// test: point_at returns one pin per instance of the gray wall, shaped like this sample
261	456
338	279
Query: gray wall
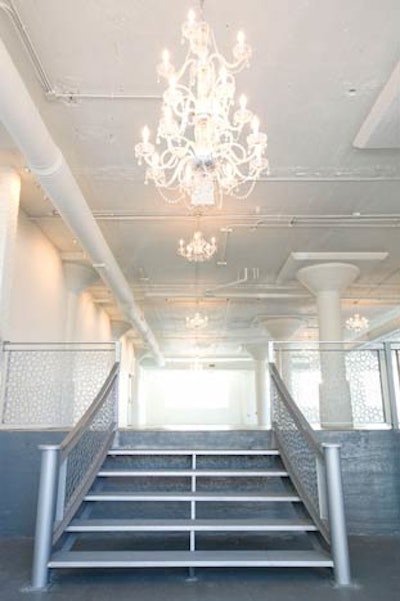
370	461
19	478
371	479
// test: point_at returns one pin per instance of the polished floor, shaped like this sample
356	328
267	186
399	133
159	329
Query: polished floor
375	563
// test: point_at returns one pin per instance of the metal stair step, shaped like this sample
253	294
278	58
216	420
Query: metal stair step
152	559
204	473
193	496
198	525
234	452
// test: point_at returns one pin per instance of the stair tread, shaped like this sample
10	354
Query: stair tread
277	558
109	473
120	525
152	451
188	496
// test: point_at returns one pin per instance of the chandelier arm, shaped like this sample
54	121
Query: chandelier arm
233	68
188	62
168	199
246	194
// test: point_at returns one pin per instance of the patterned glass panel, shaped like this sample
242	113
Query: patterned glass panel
297	448
90	445
51	387
364	377
360	377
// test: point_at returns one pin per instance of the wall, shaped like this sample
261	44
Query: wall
39	297
371	479
371	474
19	477
37	307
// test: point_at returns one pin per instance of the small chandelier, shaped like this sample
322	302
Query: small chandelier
357	323
204	149
198	249
197	321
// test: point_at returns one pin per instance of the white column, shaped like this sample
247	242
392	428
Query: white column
77	277
259	353
326	281
118	330
10	188
137	410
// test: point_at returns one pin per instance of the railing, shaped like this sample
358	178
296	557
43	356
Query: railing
49	385
315	471
369	377
68	471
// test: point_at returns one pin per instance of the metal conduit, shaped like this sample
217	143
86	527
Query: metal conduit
23	121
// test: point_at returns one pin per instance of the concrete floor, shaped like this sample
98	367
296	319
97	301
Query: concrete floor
375	564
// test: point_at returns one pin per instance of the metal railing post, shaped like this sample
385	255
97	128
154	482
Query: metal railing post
334	486
322	492
391	385
45	515
61	490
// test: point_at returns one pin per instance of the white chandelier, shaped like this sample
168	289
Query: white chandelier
198	249
197	321
357	323
204	150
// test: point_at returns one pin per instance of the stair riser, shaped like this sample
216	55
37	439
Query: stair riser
237	439
183	485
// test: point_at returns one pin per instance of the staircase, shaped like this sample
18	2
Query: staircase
191	499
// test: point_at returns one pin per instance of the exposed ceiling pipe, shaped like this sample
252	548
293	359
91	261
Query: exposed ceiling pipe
355	220
23	121
242	280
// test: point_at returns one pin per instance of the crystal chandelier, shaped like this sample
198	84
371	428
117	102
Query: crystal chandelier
205	151
197	321
357	323
198	249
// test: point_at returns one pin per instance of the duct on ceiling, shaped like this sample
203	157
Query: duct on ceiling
25	124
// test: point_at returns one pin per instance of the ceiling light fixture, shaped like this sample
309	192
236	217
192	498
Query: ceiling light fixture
198	250
197	321
357	323
204	150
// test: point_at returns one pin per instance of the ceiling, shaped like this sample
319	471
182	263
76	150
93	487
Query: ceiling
325	81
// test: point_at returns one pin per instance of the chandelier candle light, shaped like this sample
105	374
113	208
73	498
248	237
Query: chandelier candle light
198	249
357	323
197	321
204	150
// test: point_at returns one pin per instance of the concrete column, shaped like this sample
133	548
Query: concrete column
137	413
282	329
326	281
10	188
77	277
119	328
259	353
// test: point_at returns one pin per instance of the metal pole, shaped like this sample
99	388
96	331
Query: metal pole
45	515
337	520
391	385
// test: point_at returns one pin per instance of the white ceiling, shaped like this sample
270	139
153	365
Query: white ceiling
322	74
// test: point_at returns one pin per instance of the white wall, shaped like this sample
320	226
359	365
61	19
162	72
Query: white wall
197	397
39	296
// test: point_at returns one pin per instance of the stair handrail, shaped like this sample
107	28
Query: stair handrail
57	499
323	496
298	416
